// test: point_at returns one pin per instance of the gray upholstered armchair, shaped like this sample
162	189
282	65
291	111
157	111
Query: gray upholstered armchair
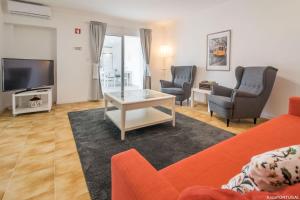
181	84
248	98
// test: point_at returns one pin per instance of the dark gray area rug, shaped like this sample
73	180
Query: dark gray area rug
98	140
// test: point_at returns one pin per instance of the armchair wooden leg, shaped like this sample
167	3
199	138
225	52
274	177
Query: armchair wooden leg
228	121
211	113
255	120
180	103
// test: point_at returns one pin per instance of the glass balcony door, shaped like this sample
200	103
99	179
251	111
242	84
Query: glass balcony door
111	63
133	63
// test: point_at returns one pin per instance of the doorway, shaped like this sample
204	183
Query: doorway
111	63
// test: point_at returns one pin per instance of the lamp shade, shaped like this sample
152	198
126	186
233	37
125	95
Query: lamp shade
165	50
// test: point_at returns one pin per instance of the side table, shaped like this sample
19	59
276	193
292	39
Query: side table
200	91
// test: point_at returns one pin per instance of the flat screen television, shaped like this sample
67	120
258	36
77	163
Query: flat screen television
26	74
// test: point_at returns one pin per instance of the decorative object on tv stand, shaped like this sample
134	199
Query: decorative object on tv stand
35	102
218	51
207	85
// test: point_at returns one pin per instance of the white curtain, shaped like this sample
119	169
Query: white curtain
146	39
97	35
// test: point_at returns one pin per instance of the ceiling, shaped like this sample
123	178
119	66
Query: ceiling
140	10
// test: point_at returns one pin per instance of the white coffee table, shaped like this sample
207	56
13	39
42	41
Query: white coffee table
200	91
135	109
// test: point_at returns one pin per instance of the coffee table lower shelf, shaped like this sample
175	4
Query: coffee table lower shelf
139	118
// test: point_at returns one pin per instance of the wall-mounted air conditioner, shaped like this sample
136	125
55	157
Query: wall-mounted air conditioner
29	9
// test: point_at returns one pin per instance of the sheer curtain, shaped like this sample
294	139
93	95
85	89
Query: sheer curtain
97	35
146	39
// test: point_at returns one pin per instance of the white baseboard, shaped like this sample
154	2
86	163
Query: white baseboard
72	101
267	115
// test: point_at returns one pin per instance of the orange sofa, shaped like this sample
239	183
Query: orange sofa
133	177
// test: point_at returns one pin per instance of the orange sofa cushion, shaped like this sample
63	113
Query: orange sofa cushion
132	170
208	193
205	169
294	106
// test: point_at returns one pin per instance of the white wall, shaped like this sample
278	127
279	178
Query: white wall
264	32
29	42
74	66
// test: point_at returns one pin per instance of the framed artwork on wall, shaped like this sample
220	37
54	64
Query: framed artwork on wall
218	51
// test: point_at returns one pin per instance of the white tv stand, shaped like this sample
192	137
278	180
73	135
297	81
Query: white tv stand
21	107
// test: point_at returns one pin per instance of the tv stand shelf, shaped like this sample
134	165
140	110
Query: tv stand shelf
18	106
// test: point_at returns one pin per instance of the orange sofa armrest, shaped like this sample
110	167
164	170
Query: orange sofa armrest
134	178
294	106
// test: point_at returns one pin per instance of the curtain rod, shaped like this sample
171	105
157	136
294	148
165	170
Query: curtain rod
116	26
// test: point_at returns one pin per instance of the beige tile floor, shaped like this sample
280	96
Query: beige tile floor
38	157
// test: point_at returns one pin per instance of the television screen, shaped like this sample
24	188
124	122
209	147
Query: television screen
18	74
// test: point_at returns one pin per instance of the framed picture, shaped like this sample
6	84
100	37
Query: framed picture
218	51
